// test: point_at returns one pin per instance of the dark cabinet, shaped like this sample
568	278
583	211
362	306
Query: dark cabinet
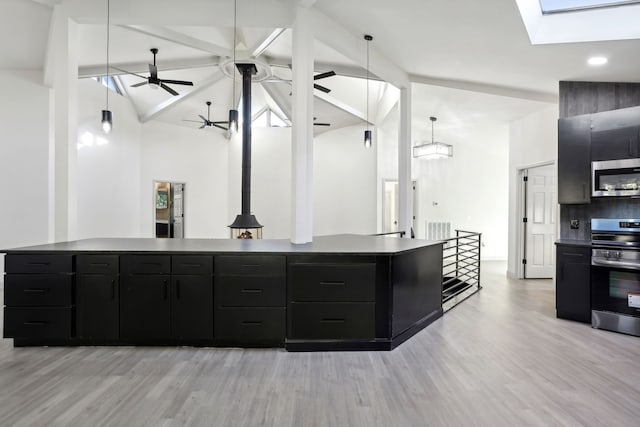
614	134
145	307
38	300
192	307
97	297
574	160
573	283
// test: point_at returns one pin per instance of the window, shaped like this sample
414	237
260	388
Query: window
556	6
109	82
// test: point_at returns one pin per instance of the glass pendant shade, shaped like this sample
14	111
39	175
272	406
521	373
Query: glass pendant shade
107	121
433	150
233	121
367	139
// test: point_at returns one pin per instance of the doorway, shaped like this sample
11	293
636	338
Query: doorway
169	209
539	221
391	206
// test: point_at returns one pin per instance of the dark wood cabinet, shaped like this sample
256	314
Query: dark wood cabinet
192	307
573	283
614	134
97	297
145	307
574	160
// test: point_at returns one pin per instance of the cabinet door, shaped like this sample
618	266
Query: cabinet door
192	307
573	283
145	307
97	306
574	160
614	134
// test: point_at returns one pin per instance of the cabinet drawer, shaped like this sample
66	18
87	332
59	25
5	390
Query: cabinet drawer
39	263
248	291
37	323
37	290
249	324
146	264
333	282
250	265
332	320
192	264
97	264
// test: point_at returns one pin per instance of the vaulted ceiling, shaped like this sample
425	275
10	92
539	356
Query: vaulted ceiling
469	54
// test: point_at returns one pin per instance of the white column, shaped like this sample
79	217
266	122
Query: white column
302	129
404	163
62	171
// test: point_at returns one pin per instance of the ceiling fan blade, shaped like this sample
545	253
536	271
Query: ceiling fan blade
139	84
194	121
127	72
322	88
322	124
168	89
153	70
178	82
202	127
218	126
202	117
324	75
224	123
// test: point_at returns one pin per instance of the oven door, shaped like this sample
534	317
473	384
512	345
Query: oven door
615	289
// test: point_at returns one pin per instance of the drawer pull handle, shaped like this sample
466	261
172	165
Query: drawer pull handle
166	290
35	323
249	323
186	264
333	283
41	264
251	265
177	289
151	263
113	289
100	264
329	320
36	290
251	291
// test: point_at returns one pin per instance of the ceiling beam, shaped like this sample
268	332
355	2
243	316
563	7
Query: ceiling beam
280	98
342	106
259	48
489	89
179	38
175	100
143	67
321	67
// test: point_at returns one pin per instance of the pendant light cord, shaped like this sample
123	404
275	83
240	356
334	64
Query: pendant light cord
235	30
108	25
368	41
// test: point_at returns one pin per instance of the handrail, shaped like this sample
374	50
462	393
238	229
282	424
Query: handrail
461	266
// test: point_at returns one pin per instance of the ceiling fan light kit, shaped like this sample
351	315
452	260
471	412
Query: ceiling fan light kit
433	150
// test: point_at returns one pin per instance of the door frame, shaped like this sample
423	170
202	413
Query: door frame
414	204
521	212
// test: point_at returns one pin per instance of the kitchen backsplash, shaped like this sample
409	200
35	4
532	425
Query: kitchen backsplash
605	207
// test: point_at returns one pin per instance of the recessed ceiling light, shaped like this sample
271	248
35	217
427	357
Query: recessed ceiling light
597	60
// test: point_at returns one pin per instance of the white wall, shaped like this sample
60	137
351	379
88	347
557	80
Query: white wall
24	154
344	183
532	140
196	157
270	180
470	189
108	174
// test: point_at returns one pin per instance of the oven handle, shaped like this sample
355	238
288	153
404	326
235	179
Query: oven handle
605	263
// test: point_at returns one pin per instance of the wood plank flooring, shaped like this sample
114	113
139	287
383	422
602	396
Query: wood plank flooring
501	358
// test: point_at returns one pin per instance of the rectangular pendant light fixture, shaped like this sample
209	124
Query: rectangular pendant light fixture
433	150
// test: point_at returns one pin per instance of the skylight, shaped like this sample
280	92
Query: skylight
556	6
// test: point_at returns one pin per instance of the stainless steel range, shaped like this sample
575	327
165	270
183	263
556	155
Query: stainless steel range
615	275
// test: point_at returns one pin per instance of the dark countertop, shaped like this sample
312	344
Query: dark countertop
570	242
338	244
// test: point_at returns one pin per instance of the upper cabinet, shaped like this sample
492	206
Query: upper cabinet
614	134
574	160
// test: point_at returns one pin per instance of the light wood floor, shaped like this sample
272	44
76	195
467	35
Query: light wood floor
500	358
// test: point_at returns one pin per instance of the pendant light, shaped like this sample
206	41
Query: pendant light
433	150
367	133
107	117
233	113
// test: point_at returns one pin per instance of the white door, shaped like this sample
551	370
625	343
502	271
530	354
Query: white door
391	205
540	225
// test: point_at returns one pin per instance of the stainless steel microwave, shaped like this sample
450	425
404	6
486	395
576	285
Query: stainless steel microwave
615	178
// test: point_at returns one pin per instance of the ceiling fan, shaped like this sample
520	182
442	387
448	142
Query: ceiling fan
156	82
320	123
207	122
315	85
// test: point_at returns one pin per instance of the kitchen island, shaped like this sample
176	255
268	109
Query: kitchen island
343	292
